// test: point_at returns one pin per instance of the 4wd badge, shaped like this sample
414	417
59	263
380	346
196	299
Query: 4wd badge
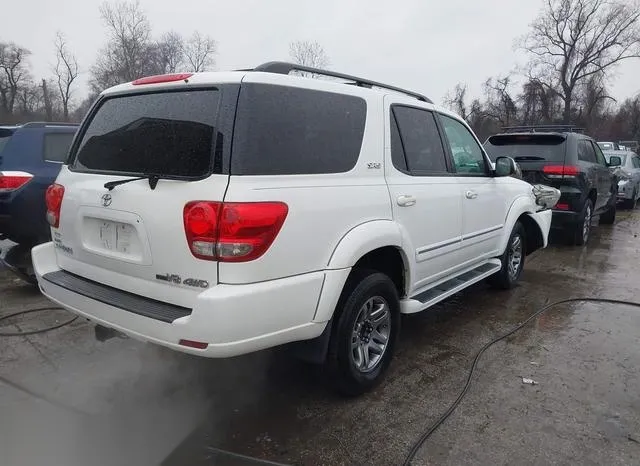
173	278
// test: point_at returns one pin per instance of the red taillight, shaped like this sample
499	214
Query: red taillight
193	344
562	206
232	231
53	199
10	181
558	171
162	78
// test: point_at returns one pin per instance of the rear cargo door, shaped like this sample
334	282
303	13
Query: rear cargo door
532	152
133	236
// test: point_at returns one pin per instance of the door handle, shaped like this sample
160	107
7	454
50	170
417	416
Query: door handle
406	200
471	194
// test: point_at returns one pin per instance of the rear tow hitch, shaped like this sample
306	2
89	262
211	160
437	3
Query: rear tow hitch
103	333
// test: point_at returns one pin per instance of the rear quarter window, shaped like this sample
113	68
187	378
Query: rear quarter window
289	131
5	135
56	146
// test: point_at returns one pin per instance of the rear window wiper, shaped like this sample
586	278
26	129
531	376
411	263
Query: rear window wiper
153	181
529	157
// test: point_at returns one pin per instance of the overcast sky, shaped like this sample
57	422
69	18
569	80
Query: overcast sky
423	45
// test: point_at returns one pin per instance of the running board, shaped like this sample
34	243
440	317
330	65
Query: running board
441	291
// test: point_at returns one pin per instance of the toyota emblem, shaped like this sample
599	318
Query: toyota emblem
106	200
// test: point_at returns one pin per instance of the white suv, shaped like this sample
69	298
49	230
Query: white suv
222	213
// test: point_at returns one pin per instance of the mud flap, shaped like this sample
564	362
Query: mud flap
312	351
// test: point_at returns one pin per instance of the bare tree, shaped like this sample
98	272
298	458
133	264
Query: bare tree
199	52
307	53
66	71
14	72
539	102
456	100
170	50
47	100
572	40
499	104
128	52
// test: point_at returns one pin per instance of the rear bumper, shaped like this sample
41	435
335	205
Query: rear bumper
232	319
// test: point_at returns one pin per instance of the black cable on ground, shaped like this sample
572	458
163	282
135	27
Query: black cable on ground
34	332
423	438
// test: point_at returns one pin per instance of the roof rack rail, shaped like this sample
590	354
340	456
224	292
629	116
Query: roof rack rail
543	128
43	124
280	67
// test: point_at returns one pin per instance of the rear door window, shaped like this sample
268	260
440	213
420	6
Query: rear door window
284	130
415	142
598	153
526	147
586	153
165	133
636	162
56	146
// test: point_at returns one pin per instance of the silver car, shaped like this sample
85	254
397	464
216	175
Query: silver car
626	166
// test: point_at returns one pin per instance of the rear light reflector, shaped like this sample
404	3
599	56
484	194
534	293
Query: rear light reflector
562	206
193	344
558	171
162	78
11	180
53	199
232	231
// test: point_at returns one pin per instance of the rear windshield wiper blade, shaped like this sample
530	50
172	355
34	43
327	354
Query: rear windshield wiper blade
153	181
529	157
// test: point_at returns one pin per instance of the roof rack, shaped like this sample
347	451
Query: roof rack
543	128
44	124
280	67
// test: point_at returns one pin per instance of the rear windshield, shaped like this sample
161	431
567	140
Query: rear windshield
607	146
287	131
527	147
5	135
163	133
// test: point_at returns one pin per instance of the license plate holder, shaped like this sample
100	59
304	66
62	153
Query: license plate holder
116	236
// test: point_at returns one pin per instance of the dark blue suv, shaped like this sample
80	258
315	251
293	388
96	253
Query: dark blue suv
30	158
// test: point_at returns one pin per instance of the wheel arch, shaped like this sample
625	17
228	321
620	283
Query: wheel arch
522	209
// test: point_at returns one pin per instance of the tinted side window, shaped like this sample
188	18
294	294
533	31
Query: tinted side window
636	162
420	139
56	146
586	152
287	131
467	155
5	135
599	155
397	151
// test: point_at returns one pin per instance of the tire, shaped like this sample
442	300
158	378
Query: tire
633	202
579	233
353	362
512	260
609	217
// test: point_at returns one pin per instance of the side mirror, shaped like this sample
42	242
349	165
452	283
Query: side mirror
506	166
615	161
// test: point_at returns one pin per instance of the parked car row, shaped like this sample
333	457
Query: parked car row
568	160
223	213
